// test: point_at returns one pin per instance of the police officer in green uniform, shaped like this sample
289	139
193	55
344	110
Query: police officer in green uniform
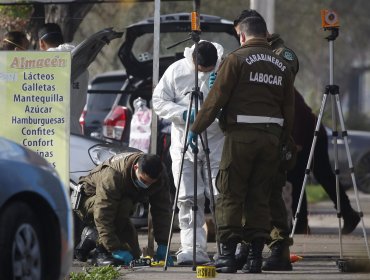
280	240
111	191
254	89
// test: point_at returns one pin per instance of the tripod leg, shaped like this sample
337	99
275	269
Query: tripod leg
350	164
204	141
195	198
308	170
335	138
195	208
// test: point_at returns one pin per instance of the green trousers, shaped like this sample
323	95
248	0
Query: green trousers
248	164
125	230
279	216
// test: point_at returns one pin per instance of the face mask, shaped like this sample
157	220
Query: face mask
140	184
203	75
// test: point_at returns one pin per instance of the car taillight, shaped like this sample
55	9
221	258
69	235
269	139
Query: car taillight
115	123
81	120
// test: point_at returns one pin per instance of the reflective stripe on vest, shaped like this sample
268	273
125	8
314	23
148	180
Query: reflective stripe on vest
258	119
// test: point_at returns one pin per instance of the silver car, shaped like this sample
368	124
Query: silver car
36	239
359	146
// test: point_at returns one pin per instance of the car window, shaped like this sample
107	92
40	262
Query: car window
100	102
103	101
143	46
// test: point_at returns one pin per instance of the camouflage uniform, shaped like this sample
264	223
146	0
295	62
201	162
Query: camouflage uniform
110	198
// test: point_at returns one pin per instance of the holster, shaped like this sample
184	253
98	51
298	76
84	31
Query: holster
288	153
221	116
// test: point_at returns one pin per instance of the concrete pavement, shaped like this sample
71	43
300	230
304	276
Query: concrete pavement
320	250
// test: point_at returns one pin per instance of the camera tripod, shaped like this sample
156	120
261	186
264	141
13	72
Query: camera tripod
196	99
336	109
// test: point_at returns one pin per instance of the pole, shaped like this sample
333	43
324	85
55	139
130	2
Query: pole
154	124
267	9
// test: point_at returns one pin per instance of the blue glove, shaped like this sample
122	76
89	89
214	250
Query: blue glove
212	79
123	255
192	140
161	255
192	115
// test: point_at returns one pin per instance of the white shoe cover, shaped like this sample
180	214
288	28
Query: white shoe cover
185	257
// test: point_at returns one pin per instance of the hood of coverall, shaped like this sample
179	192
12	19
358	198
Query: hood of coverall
188	54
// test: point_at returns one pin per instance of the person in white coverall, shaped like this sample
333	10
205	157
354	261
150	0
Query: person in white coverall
171	99
51	39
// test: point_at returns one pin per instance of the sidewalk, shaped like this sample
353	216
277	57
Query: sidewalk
320	250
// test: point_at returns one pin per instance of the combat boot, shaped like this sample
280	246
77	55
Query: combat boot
254	262
351	219
225	262
87	244
241	255
103	258
279	259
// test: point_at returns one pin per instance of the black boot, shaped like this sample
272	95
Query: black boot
351	219
254	262
225	263
302	227
241	255
279	259
87	244
103	258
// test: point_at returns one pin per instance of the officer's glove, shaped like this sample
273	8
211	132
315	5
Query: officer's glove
122	255
212	78
161	255
192	141
192	115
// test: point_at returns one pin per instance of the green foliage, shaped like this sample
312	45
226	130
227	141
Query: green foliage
315	193
15	17
97	273
16	11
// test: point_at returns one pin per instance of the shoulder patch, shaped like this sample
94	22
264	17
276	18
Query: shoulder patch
288	55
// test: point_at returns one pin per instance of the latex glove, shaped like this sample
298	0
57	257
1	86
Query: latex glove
211	80
123	255
161	254
192	115
192	140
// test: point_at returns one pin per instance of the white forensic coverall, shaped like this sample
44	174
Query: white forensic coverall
169	102
78	93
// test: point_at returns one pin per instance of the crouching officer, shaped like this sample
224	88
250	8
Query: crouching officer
254	89
111	191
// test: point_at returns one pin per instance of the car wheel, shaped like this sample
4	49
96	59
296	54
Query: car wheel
20	243
362	174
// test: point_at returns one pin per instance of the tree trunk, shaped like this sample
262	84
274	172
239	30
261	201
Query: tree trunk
37	20
68	17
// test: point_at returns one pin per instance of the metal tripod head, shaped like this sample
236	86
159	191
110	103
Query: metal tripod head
331	38
334	33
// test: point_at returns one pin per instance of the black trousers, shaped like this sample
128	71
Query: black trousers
323	173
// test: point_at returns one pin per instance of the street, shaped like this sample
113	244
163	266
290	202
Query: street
319	251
